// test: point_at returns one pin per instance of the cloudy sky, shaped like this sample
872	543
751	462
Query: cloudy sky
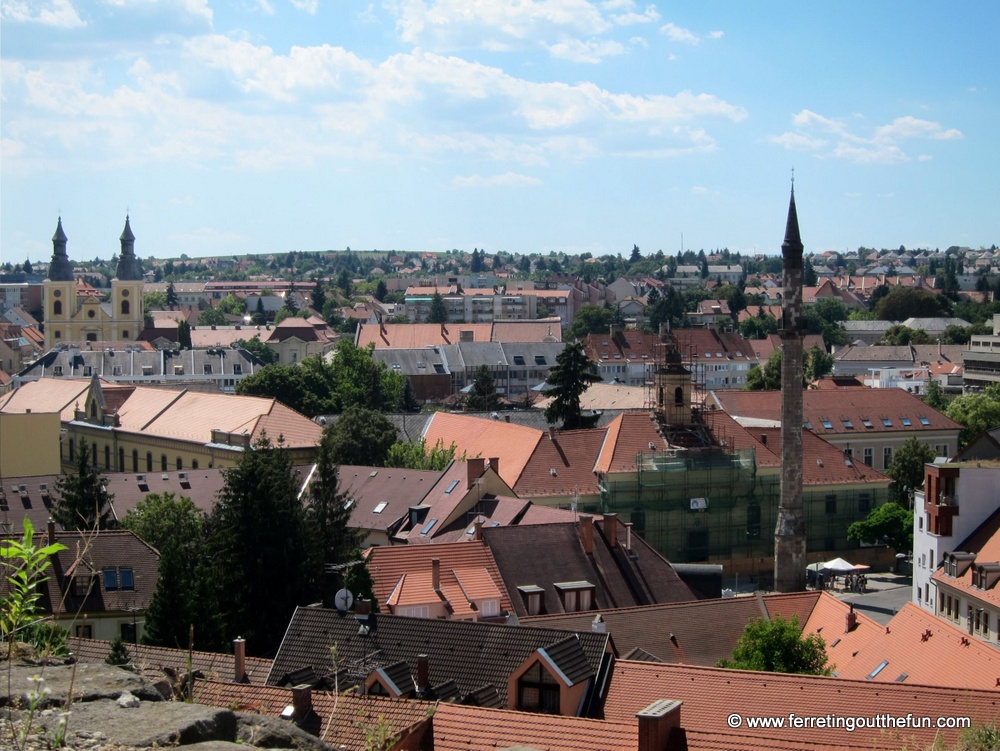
253	126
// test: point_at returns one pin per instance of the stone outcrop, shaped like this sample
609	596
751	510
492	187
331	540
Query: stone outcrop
97	707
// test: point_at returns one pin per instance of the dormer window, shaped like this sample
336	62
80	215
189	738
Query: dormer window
538	691
576	596
533	598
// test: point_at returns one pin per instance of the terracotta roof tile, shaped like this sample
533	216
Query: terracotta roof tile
47	395
628	435
561	465
512	444
371	487
985	544
409	335
711	695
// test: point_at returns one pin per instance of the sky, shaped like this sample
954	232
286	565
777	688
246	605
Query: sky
260	126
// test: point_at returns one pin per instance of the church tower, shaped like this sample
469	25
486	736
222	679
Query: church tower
58	291
126	291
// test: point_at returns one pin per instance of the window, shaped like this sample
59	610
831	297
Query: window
72	449
906	422
58	334
380	507
540	360
827	424
924	421
428	527
125	307
121	460
149	461
489	608
519	359
868	457
57	370
867	423
576	596
163	462
678	396
831	504
886	457
127	579
208	368
847	423
110	580
531	595
887	422
878	669
135	460
93	454
414	611
57	308
452	486
85	632
237	369
180	463
81	585
128	631
194	464
538	691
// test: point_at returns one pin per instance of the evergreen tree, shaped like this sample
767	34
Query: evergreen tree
438	313
259	316
290	305
171	296
318	297
636	255
119	654
27	267
381	290
361	437
84	501
572	375
344	282
258	540
483	397
331	540
184	334
408	399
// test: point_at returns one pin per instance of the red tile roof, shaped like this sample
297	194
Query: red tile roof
928	650
561	465
476	437
627	435
712	695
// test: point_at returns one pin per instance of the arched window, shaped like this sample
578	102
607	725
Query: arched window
149	461
678	396
135	460
107	457
72	450
163	462
121	460
125	307
194	464
93	455
180	463
57	308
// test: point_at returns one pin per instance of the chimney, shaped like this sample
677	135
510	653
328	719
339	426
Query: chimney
611	529
598	626
240	659
506	418
851	621
362	606
656	723
763	439
495	464
587	533
301	700
552	432
476	467
477	527
51	529
436	574
628	536
423	673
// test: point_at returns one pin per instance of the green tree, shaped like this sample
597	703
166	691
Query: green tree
907	470
184	334
935	396
232	305
416	455
256	347
83	498
667	307
758	327
381	290
361	437
483	397
160	518
24	567
572	375
318	297
777	646
438	313
767	378
890	523
589	319
332	540
212	317
901	336
408	401
290	305
118	654
819	364
257	535
259	316
171	299
154	300
901	303
344	282
977	412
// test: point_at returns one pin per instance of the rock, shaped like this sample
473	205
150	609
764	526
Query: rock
128	700
273	732
88	682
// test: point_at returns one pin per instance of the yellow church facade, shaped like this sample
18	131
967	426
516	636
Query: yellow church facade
74	312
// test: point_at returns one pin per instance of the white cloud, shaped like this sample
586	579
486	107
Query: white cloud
197	9
882	144
681	35
56	13
506	180
700	190
592	51
307	6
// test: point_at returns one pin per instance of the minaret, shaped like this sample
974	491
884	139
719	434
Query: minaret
58	292
790	531
126	291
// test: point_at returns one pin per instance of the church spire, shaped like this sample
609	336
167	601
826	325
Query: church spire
791	248
60	268
129	269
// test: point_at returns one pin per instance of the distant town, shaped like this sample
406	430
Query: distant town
469	499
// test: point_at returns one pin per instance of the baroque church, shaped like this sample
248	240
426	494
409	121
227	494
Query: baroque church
75	312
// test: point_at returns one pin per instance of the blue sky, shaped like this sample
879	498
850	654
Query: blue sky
256	126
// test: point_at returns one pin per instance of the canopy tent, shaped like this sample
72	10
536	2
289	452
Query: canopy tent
838	565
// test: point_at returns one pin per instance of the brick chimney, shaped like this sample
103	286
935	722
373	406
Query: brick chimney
611	529
656	723
362	606
301	700
51	529
495	464
423	672
476	467
436	574
587	533
552	432
240	659
851	621
477	529
628	535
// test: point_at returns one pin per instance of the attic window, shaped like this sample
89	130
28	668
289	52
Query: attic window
887	422
519	359
866	422
427	527
540	360
576	596
924	421
110	580
878	669
532	594
380	507
452	486
827	424
906	421
807	425
127	579
847	423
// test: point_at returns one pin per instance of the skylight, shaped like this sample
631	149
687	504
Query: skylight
878	669
807	425
452	486
827	424
924	421
540	360
427	527
380	507
887	422
847	423
866	422
906	421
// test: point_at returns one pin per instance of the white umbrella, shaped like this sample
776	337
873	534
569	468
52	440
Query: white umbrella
838	565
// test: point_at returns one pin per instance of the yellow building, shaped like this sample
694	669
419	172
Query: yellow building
73	314
138	429
29	458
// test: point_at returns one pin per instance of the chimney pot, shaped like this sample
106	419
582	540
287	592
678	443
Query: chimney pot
656	723
851	621
611	529
423	673
477	526
240	659
362	606
587	533
301	700
628	535
51	529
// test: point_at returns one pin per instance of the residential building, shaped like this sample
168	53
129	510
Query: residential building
717	359
20	455
710	313
74	313
411	335
982	359
623	356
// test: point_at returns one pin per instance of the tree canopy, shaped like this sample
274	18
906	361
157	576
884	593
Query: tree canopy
417	455
483	397
900	303
437	313
907	470
977	412
360	436
889	523
777	646
84	501
572	375
589	319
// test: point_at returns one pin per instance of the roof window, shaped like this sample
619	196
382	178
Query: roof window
906	422
887	422
827	424
878	669
866	422
452	486
519	359
540	360
847	423
924	421
428	527
380	507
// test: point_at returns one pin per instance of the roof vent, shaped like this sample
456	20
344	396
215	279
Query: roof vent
182	476
552	471
819	462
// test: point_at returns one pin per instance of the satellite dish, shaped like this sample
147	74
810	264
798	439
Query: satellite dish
343	600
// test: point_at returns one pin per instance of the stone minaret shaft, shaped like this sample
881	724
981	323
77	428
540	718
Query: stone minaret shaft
790	531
